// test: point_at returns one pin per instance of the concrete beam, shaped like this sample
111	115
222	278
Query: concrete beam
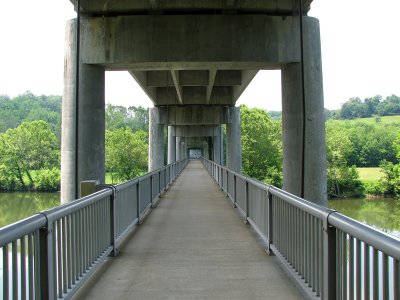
196	130
211	79
285	7
192	95
141	79
228	78
145	41
193	78
159	79
178	89
194	115
247	77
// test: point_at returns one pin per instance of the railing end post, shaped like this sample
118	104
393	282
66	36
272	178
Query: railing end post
329	260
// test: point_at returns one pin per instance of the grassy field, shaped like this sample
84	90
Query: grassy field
370	174
373	120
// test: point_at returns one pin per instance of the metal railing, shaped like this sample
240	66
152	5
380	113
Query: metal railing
330	255
51	254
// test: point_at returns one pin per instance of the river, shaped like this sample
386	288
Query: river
18	206
383	214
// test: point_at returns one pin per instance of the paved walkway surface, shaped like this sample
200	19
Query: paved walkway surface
192	246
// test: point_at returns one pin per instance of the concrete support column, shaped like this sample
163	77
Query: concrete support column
183	148
233	141
178	148
171	145
156	140
82	157
315	185
217	142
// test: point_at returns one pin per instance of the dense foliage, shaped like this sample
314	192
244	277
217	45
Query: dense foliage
369	107
261	145
30	129
126	153
30	144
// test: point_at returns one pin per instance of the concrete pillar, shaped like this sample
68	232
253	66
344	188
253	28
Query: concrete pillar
315	188
217	142
156	140
171	145
85	160
183	147
178	148
233	141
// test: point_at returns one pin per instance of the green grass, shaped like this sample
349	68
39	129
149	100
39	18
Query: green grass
374	120
370	174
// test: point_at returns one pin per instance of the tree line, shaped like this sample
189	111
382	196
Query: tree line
30	146
30	139
369	107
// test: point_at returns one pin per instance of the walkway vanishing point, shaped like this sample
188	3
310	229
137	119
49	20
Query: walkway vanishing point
192	246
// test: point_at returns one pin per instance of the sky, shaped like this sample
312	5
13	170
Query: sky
360	53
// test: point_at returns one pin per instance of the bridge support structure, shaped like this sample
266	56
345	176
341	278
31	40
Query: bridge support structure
83	123
200	64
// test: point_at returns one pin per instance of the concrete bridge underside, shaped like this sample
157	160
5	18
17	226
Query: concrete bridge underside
194	59
192	246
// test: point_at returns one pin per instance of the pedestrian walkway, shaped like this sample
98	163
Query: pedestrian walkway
192	246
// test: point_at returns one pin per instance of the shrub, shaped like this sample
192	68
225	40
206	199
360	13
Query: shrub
48	180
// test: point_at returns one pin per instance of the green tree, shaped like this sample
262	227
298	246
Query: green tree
342	179
261	145
30	146
126	153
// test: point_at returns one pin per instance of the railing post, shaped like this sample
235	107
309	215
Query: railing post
329	261
151	191
138	201
46	272
159	183
234	190
112	221
270	222
246	195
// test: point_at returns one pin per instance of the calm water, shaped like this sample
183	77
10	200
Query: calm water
383	214
18	206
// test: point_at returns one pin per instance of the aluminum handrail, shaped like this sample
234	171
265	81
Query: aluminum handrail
66	244
313	241
380	240
21	228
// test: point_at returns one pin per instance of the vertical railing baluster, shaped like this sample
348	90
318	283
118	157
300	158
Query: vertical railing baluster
5	273
358	268
23	286
351	267
30	266
14	263
385	275
375	273
329	261
396	279
366	272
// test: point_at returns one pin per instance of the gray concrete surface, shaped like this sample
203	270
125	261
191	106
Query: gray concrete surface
192	246
156	140
233	141
292	121
91	121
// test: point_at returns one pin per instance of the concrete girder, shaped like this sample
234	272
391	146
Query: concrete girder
142	41
104	7
193	115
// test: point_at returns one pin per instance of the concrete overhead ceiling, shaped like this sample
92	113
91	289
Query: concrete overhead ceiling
183	83
192	87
